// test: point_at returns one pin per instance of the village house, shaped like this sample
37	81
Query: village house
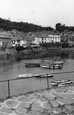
67	39
47	39
17	41
5	41
54	39
71	39
29	38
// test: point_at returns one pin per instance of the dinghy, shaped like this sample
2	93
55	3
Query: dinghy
26	75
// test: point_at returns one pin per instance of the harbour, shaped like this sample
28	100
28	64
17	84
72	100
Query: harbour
10	71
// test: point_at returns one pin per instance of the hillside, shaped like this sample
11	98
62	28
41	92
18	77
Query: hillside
8	25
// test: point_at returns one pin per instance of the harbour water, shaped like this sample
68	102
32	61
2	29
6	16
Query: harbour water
12	69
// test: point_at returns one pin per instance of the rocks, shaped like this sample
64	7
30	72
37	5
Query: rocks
47	111
24	105
0	105
43	99
47	105
64	101
4	113
26	99
57	110
6	110
37	107
48	96
69	107
33	113
54	102
12	113
21	111
12	103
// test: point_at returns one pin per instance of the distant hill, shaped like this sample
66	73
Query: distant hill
8	25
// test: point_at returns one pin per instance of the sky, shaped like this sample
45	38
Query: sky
40	12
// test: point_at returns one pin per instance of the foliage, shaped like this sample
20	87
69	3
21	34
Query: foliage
59	27
21	26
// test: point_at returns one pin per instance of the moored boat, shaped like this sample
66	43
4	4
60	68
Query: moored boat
26	75
36	75
32	64
52	66
62	83
44	76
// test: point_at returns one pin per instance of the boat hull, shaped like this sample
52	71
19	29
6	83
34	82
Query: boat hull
25	75
62	83
32	64
45	76
52	66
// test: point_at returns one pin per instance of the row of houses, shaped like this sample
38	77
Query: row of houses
16	41
8	40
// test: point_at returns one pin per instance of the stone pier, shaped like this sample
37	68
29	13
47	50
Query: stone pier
59	101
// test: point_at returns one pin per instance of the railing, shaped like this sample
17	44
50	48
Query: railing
46	81
43	83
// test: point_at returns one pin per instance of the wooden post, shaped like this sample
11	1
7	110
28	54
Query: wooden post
8	89
47	82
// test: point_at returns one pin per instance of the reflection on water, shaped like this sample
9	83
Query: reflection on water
11	70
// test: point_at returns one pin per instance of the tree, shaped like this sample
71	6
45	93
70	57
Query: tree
58	26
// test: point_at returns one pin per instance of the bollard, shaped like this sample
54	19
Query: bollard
8	89
50	83
47	82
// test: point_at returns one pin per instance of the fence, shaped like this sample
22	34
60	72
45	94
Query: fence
11	87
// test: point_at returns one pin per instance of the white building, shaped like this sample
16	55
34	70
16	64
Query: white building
54	38
47	39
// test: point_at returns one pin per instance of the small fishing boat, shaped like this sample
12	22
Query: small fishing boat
62	83
26	75
68	83
44	76
32	64
52	66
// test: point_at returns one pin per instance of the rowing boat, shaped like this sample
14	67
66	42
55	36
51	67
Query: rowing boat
44	76
26	75
32	64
